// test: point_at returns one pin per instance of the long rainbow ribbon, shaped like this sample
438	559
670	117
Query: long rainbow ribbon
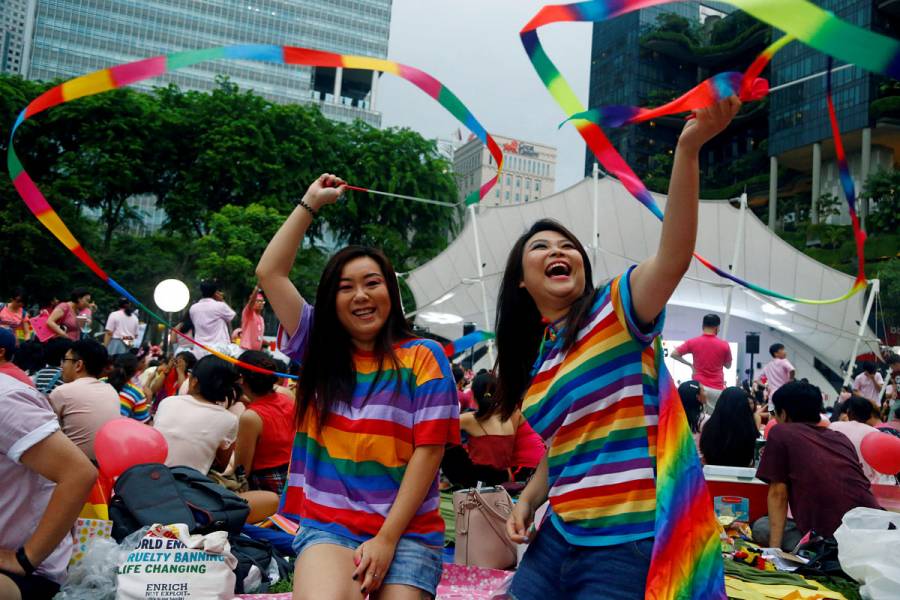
118	76
800	19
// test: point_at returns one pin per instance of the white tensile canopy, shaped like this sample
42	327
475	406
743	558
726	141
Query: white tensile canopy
448	290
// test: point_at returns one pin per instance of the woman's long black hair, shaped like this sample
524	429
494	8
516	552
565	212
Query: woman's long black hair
217	380
729	436
328	376
484	390
689	392
124	366
519	323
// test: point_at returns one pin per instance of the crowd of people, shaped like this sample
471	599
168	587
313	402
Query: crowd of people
356	446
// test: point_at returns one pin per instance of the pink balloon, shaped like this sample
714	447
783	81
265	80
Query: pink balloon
882	452
122	443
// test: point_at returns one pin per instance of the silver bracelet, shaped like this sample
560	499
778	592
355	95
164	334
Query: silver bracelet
302	203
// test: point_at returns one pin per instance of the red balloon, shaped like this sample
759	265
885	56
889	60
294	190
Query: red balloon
123	443
882	452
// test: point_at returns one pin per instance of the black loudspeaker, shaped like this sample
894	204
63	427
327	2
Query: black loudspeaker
469	328
752	343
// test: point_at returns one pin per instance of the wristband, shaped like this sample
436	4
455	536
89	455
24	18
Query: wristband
302	203
24	562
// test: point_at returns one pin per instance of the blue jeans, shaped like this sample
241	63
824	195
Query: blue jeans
554	568
414	564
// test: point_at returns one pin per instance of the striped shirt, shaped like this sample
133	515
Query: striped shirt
344	477
132	402
48	379
597	405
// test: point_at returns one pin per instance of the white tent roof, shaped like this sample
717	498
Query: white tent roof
448	293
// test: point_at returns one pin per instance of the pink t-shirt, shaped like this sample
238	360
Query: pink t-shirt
855	432
865	387
83	407
194	430
777	372
211	319
27	421
710	355
252	325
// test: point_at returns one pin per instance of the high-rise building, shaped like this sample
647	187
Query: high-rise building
529	170
16	24
625	73
73	37
866	104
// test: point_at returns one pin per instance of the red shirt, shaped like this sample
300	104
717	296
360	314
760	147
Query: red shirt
710	355
273	446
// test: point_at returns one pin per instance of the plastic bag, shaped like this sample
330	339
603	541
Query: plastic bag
867	551
171	564
94	576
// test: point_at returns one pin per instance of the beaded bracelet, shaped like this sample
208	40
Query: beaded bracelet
302	203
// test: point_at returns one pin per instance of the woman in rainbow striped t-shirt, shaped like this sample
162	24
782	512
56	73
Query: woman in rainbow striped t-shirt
375	407
580	363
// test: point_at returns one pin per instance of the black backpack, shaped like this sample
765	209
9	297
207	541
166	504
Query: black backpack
154	493
249	552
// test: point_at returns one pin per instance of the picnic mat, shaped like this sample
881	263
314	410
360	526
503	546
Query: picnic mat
458	582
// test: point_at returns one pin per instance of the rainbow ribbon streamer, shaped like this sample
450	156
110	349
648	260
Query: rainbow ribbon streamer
800	19
467	341
105	80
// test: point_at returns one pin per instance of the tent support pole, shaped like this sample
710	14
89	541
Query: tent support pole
484	302
862	329
735	256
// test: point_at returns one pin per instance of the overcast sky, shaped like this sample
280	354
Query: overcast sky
473	47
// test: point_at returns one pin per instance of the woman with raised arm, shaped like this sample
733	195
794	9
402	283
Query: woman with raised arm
375	408
580	364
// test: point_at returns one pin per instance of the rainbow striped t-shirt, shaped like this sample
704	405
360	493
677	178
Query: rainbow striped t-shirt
597	406
132	402
344	477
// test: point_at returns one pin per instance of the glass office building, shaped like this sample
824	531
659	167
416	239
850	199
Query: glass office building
622	74
73	37
15	24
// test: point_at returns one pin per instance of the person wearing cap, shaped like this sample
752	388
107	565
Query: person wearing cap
7	350
121	329
253	325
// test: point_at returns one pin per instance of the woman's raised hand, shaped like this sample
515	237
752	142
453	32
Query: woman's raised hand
327	189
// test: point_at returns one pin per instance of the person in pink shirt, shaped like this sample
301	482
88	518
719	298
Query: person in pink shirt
7	350
861	422
711	354
869	382
778	371
14	317
211	318
63	321
252	323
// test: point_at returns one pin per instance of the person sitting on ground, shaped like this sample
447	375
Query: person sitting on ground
63	321
463	391
729	436
711	355
861	421
693	397
83	403
46	481
29	357
811	468
869	382
839	411
198	427
14	317
489	455
266	429
777	372
122	376
7	352
49	377
171	378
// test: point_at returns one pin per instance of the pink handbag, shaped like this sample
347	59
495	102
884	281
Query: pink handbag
481	538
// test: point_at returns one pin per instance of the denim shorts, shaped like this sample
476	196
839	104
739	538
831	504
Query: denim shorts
554	568
414	564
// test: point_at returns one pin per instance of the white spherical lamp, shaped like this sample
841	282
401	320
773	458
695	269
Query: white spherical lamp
171	295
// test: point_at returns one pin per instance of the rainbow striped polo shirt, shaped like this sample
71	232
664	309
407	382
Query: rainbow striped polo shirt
597	406
344	476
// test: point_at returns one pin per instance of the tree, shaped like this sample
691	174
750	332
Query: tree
883	189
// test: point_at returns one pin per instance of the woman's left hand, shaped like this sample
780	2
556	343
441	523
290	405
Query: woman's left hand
708	122
373	559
